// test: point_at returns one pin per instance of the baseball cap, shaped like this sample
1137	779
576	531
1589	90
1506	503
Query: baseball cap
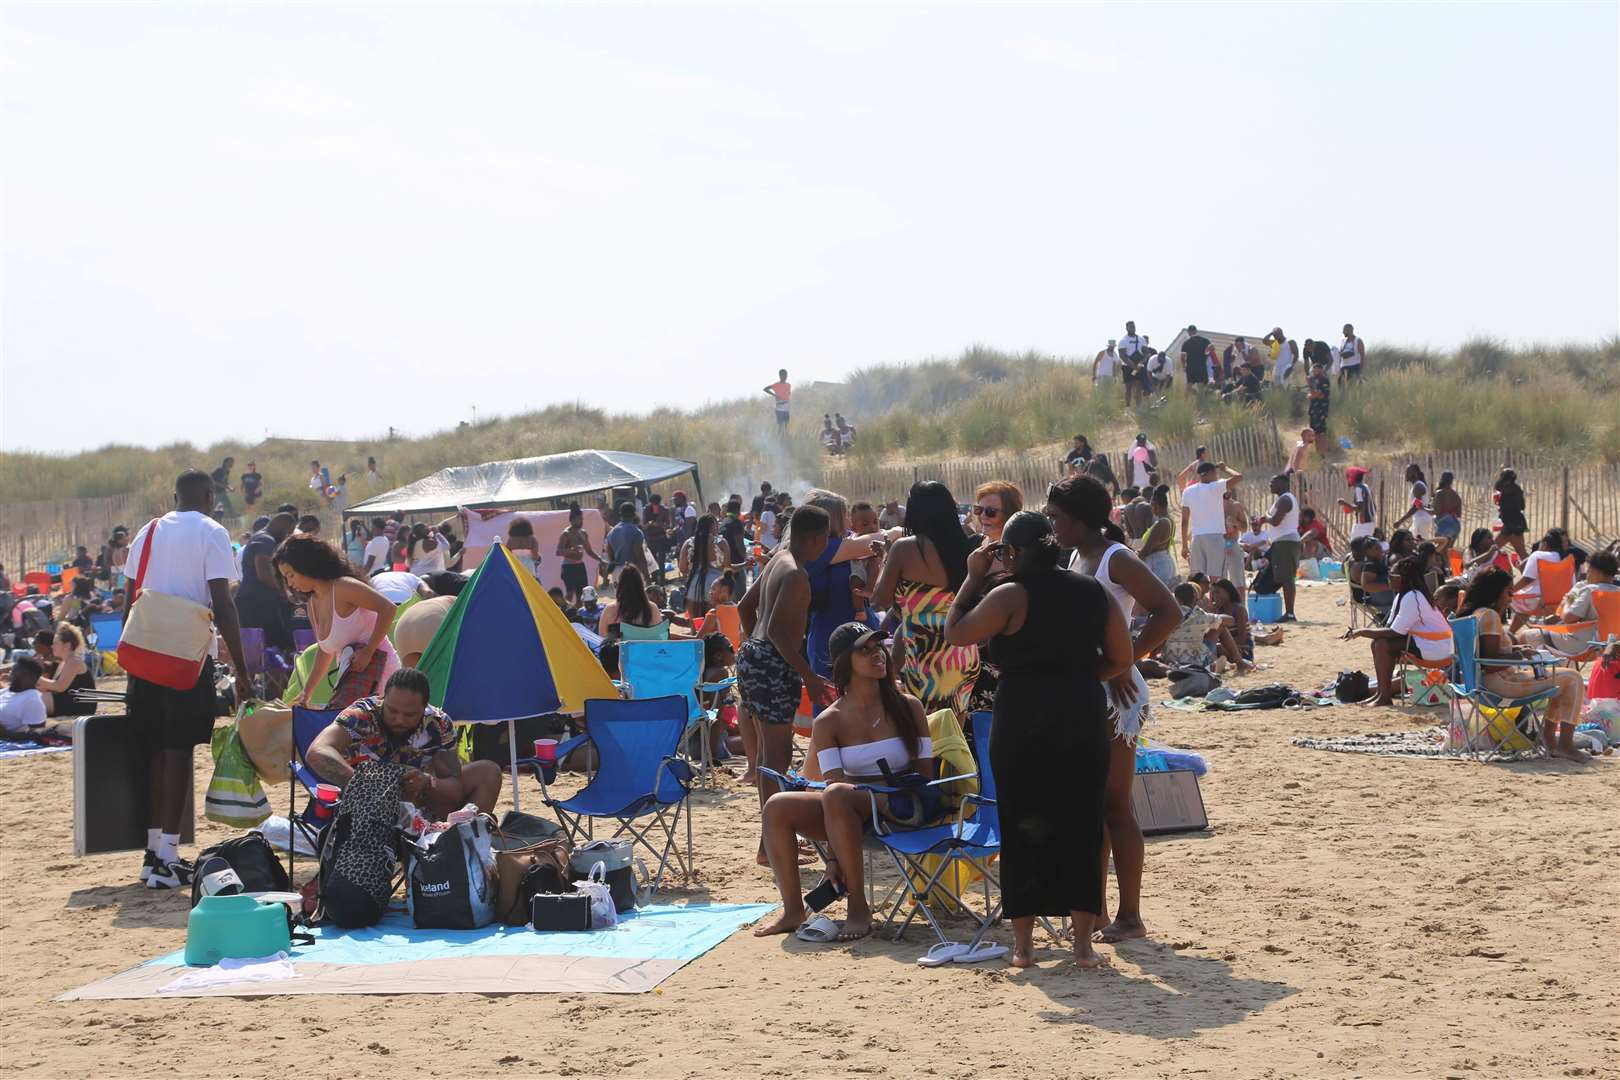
851	635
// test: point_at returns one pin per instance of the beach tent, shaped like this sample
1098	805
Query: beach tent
528	480
505	652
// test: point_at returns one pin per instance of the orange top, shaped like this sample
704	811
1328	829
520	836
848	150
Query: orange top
782	390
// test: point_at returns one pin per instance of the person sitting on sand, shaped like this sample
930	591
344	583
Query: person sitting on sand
22	706
1489	599
72	673
1224	599
872	721
1201	636
1417	632
1578	608
1314	542
399	727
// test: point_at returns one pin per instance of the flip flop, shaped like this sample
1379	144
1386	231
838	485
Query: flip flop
818	930
941	954
984	950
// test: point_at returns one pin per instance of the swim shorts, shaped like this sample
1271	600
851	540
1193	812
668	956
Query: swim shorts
769	688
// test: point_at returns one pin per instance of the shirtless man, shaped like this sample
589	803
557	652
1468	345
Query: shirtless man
1237	522
572	547
772	667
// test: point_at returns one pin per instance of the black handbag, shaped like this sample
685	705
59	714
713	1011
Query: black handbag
560	911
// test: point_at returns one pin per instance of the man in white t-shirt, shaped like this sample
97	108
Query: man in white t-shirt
1203	519
377	548
186	554
22	707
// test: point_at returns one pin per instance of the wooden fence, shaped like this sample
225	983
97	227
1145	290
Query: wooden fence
33	534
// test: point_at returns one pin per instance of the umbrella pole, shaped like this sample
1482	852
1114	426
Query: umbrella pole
511	745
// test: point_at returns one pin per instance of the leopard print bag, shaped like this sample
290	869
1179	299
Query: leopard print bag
361	863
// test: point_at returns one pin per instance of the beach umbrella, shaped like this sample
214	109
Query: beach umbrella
505	652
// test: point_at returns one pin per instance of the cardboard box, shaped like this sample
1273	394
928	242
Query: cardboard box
1168	802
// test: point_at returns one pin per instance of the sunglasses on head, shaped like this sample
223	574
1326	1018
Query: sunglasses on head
986	511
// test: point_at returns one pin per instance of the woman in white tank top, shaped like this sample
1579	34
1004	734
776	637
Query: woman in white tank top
871	722
1078	507
345	612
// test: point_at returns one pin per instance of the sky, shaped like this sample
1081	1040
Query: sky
221	221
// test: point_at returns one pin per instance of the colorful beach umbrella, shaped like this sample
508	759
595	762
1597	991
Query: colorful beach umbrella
505	652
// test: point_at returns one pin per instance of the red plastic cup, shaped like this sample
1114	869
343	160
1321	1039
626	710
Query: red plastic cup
545	749
327	793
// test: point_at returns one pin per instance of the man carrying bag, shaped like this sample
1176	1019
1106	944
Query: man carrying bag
184	567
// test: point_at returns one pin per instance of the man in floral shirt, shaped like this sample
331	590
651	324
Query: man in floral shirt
401	728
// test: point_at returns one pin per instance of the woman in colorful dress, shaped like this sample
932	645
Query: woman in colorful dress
919	579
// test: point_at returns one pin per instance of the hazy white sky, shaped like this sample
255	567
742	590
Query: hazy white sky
324	220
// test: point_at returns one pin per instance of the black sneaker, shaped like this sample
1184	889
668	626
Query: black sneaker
170	875
1287	618
149	862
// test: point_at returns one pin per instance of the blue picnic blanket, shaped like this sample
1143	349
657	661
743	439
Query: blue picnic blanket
658	932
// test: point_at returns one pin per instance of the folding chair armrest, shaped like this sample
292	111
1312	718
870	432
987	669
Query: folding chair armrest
1566	628
715	687
568	746
791	781
679	768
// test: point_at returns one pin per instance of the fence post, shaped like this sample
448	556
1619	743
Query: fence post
1563	516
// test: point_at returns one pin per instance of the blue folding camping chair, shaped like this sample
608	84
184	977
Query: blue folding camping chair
638	775
306	724
1488	738
674	668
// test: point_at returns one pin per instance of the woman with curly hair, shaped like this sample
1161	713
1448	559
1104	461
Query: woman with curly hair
347	615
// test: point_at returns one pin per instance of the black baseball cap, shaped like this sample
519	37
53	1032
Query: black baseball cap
851	635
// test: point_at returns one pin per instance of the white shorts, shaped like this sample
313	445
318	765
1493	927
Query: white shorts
1361	528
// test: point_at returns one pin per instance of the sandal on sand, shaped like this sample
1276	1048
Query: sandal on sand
941	954
984	950
818	930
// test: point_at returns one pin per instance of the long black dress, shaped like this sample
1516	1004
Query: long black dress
1049	749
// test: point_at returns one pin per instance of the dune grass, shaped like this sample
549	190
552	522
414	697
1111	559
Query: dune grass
1561	402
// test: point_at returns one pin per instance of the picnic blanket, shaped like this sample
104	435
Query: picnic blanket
9	749
1429	742
393	957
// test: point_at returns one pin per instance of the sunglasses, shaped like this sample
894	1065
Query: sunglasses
986	511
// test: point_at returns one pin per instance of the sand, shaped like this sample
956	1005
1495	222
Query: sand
1345	916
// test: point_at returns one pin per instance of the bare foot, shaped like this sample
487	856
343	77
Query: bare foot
749	777
1120	930
1021	959
783	924
1570	755
1088	960
854	929
1378	702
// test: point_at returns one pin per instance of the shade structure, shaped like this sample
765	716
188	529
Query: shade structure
505	651
527	480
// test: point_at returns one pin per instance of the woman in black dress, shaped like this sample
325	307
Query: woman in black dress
1057	638
1510	509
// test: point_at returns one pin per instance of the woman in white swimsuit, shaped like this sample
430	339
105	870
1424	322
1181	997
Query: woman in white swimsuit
344	612
872	722
1078	507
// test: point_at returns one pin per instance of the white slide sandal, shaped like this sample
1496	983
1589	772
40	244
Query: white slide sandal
818	930
984	950
942	954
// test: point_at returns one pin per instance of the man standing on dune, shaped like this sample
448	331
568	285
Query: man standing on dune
781	390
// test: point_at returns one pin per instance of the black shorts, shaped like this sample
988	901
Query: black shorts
174	719
573	577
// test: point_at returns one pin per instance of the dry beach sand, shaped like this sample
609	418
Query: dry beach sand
1346	915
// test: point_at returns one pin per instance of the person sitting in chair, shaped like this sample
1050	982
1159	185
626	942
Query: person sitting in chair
872	721
401	728
1578	608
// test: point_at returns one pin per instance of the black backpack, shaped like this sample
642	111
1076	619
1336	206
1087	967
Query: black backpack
254	861
361	858
1270	696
